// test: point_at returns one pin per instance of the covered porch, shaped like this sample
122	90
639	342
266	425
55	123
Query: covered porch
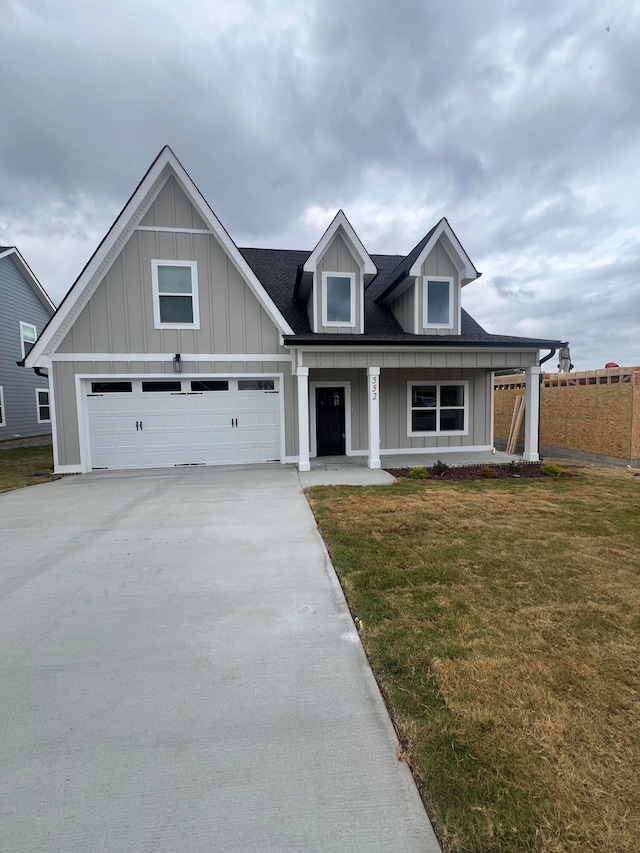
362	396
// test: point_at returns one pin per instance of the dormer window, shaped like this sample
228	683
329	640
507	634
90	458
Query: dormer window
438	302
338	299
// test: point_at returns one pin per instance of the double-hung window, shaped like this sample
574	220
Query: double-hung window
338	299
438	302
28	337
438	408
42	406
175	294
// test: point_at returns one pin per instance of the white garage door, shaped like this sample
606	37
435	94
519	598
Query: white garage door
148	423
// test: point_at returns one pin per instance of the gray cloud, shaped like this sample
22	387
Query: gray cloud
518	121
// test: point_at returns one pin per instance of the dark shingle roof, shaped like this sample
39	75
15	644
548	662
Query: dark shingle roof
277	270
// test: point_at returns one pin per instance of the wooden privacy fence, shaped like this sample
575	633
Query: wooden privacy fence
595	412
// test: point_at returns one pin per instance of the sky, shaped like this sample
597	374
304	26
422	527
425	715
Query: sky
518	121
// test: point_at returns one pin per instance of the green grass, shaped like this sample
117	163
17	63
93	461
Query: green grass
24	466
501	621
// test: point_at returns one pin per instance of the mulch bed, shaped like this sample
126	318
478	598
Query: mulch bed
504	471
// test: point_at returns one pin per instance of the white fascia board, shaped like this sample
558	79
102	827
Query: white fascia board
41	293
165	164
463	263
200	203
341	221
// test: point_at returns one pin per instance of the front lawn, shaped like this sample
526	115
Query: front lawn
502	621
24	466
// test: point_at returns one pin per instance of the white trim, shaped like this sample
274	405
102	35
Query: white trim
531	414
463	448
373	397
329	383
38	405
163	356
165	164
302	379
81	384
23	326
335	324
54	421
3	412
340	221
173	230
426	348
492	397
425	301
437	433
28	272
195	302
416	308
464	266
69	469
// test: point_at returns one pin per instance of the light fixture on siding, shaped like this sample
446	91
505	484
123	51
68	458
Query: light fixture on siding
177	364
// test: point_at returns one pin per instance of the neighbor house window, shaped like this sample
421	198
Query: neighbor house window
42	406
175	294
438	302
338	299
2	412
438	408
28	337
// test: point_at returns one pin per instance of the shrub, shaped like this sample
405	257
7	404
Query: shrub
550	470
418	473
515	467
488	473
440	467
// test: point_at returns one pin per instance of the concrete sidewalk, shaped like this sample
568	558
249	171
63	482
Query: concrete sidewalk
180	673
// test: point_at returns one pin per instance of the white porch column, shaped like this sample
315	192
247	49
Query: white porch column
531	414
302	374
373	381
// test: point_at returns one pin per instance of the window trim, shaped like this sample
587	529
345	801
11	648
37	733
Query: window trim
23	326
438	383
339	323
425	301
155	263
39	405
3	411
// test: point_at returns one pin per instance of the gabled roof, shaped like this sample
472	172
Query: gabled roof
13	253
164	165
411	265
278	271
340	222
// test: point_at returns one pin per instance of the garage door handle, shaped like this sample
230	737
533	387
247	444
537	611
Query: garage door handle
137	425
236	422
140	424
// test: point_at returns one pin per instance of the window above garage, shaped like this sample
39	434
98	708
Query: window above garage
175	294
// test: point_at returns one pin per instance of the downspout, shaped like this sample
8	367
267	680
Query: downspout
38	372
541	362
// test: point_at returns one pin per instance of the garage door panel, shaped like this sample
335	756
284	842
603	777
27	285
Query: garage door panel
213	427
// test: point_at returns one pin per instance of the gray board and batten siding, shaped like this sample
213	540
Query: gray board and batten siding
337	258
19	302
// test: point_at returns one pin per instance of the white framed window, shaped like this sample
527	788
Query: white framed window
175	294
28	337
42	406
339	299
3	419
437	302
437	408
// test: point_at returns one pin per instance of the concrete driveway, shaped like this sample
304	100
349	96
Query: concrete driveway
179	672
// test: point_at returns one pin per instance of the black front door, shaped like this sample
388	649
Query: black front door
330	423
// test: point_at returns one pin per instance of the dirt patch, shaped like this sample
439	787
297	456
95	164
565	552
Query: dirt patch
505	471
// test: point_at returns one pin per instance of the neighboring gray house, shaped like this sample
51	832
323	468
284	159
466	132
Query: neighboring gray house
175	347
25	309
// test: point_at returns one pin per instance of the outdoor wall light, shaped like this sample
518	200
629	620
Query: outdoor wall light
177	365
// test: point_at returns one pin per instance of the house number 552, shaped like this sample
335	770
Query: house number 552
374	387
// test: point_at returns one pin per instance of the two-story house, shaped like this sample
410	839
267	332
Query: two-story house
176	347
25	309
